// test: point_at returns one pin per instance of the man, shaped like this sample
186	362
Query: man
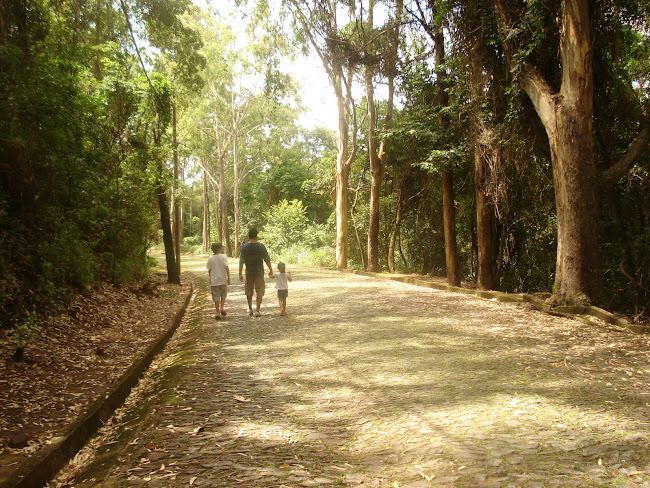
219	278
254	255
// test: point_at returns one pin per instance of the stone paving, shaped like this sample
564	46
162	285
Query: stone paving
381	384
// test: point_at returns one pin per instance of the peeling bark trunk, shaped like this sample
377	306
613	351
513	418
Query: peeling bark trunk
567	117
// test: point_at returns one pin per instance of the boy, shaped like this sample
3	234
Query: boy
282	284
219	278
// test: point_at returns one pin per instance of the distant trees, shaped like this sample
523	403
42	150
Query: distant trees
504	143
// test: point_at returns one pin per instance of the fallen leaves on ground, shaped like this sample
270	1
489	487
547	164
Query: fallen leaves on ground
77	355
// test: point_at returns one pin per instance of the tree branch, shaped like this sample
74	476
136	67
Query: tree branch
610	176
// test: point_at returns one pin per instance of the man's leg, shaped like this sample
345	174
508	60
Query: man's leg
249	286
259	301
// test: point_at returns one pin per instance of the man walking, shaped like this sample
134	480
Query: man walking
254	255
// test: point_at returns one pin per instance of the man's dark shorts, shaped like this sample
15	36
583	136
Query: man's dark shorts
255	282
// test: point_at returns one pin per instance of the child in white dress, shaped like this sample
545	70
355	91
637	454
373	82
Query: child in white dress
283	277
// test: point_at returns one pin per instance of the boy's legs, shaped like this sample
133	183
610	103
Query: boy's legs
216	297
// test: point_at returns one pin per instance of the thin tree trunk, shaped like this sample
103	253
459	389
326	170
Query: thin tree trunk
206	211
376	164
175	206
486	279
342	176
452	264
356	229
235	197
223	203
173	276
217	213
395	232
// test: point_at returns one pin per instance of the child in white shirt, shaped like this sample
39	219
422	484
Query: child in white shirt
282	284
219	278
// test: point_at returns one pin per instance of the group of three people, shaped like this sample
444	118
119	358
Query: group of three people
253	255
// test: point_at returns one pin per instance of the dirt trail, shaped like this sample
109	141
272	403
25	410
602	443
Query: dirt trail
382	384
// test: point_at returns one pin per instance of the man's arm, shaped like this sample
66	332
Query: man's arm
268	263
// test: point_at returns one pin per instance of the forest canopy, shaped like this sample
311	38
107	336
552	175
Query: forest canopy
500	144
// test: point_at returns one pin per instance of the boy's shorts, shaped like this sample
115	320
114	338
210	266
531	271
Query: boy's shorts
255	282
219	292
283	293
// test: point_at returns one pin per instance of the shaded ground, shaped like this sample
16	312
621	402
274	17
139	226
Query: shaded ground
381	384
76	355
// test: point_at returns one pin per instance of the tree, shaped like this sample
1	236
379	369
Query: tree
319	26
564	99
378	155
430	17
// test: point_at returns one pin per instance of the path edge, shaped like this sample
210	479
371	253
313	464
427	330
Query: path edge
534	301
39	469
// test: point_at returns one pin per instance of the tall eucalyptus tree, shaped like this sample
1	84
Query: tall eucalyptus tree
320	27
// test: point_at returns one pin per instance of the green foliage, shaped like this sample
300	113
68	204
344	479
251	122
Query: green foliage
24	331
289	235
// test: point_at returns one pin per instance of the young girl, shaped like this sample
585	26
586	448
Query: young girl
282	284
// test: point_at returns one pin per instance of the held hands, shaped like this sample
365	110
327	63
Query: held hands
271	274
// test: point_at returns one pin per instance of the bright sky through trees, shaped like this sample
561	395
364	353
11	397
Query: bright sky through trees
316	93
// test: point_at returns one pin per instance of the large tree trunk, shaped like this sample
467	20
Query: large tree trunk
577	271
567	118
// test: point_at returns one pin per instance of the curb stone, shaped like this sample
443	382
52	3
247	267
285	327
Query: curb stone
578	312
36	471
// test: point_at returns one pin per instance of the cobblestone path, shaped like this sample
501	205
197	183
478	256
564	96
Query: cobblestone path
382	384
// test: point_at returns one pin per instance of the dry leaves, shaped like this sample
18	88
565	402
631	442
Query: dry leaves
78	354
